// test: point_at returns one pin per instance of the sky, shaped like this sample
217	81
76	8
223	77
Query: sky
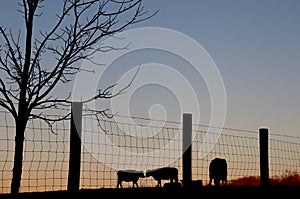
255	46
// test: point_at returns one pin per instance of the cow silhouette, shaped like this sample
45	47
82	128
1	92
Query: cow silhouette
218	171
129	176
164	173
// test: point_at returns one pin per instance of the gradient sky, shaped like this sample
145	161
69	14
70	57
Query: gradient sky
254	43
256	46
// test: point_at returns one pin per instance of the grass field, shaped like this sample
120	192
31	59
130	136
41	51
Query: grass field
178	192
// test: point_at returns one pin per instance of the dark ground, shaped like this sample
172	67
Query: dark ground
167	192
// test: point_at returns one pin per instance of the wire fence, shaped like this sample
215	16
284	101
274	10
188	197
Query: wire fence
134	143
45	155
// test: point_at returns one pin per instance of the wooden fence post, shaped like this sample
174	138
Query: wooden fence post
75	147
187	149
264	157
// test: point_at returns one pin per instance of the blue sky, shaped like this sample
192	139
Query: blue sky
254	43
256	46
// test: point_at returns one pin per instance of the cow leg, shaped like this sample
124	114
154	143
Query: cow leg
136	184
159	183
210	181
217	181
119	185
225	181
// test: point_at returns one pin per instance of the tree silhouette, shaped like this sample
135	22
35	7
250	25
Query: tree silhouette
27	82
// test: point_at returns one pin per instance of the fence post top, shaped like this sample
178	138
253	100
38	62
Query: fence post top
187	115
263	129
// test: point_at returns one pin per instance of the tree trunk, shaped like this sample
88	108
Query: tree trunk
18	158
23	111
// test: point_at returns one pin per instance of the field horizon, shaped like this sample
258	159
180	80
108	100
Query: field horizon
224	191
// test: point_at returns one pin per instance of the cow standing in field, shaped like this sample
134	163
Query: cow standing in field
218	171
129	176
164	173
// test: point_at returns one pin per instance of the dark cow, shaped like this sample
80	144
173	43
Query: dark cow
129	176
218	171
164	173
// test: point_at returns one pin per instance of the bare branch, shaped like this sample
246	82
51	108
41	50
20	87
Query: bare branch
107	93
33	65
51	121
68	44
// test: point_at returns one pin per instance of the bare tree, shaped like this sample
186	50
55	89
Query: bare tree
27	82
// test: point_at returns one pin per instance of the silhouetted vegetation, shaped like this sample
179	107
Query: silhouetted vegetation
287	179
